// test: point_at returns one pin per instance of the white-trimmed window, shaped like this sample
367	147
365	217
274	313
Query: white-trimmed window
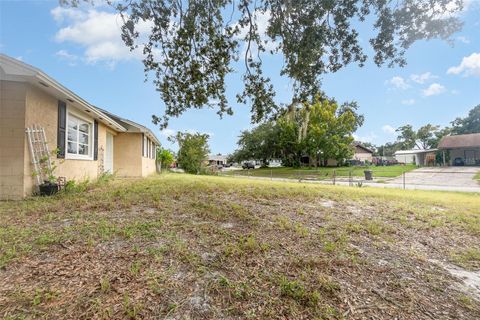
149	148
79	137
145	146
152	148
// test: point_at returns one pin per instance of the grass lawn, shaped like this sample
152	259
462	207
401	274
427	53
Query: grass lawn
325	172
178	246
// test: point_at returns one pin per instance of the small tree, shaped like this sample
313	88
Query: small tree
424	138
259	143
321	130
193	151
165	157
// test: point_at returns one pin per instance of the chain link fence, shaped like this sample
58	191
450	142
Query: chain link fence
429	178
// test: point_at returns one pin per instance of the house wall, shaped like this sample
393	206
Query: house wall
415	158
362	155
23	105
42	110
127	155
460	153
12	133
332	163
406	158
148	166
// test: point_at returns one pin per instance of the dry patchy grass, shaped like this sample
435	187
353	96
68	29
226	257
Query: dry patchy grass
180	246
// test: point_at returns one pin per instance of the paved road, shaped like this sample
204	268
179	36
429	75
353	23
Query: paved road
440	176
458	179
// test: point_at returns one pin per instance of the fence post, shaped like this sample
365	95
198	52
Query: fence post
334	176
403	180
271	174
350	177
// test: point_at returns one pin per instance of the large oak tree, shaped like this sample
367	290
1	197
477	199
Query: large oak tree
192	44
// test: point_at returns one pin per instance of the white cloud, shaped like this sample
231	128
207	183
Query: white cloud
60	14
408	102
368	138
433	89
452	9
168	133
470	66
398	82
463	39
97	32
422	78
65	55
388	129
261	18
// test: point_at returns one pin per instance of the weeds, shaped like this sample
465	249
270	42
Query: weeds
469	258
131	309
104	284
135	268
43	296
296	290
264	250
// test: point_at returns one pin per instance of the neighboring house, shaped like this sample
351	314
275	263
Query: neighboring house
362	153
89	140
217	159
274	163
463	146
416	156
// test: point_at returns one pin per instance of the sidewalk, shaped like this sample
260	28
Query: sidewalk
392	185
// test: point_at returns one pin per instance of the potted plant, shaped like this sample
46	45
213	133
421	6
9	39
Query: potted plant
50	185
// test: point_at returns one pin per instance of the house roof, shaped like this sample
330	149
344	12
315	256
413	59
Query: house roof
460	141
414	151
217	157
360	145
132	126
15	70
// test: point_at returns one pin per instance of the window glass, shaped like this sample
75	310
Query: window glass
72	147
144	146
78	136
83	138
84	127
72	135
83	149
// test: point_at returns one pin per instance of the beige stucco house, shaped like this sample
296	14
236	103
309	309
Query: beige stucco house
89	141
362	153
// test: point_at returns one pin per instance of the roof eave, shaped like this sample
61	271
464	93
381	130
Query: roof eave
29	72
104	118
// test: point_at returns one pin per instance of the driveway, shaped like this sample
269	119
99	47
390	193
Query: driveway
441	176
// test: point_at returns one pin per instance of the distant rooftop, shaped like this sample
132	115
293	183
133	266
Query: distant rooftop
471	140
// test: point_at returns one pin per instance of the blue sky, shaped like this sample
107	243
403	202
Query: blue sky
82	49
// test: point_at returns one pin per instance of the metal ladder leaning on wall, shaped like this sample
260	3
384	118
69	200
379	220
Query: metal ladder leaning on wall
39	152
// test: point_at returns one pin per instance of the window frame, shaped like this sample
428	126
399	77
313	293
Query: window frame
144	148
75	156
149	143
